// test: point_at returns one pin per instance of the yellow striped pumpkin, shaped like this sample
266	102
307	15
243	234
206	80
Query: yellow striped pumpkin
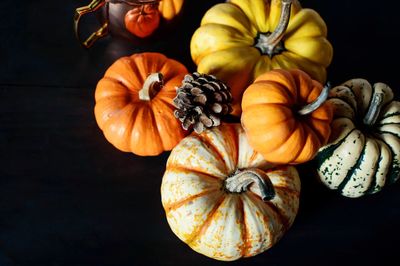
363	153
239	40
223	199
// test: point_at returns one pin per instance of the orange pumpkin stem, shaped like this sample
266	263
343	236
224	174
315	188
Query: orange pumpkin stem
269	44
241	180
151	86
311	107
374	109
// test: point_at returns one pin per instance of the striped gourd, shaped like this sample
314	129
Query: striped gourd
223	199
363	153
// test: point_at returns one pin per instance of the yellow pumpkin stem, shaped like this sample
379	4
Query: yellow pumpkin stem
241	180
309	108
268	44
151	86
374	109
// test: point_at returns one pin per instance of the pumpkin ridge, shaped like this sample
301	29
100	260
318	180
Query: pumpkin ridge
328	151
137	123
253	156
123	83
394	171
354	95
154	105
283	141
283	220
372	185
165	101
123	88
275	83
176	205
307	123
287	190
388	124
356	166
207	221
209	144
245	236
321	120
371	99
235	137
109	101
390	115
114	119
389	132
304	131
295	127
159	140
192	170
278	145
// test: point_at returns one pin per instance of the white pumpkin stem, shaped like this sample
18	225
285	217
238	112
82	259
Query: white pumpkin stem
374	109
240	182
151	86
311	107
268	43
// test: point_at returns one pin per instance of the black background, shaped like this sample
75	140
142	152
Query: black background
68	197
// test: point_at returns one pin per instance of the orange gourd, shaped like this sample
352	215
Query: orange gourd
134	103
143	20
285	116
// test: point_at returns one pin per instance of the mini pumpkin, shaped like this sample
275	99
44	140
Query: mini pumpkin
285	116
363	153
142	20
170	8
134	103
223	199
265	35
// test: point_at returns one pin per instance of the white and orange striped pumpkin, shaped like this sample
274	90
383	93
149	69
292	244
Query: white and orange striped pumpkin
223	199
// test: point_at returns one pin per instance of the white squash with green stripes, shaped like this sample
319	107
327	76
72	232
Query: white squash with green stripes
363	153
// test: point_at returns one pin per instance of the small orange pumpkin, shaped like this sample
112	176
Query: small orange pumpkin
285	116
134	103
143	20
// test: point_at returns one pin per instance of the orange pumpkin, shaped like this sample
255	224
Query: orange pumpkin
285	116
143	20
134	103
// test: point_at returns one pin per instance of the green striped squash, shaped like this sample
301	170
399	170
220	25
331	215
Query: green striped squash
363	153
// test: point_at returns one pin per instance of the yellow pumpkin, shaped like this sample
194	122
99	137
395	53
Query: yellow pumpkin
241	39
170	8
223	199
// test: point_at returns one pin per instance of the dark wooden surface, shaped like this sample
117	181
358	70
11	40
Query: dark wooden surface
68	197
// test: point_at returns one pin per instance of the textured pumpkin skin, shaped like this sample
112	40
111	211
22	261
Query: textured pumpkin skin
142	21
131	125
212	221
170	8
228	32
359	161
270	121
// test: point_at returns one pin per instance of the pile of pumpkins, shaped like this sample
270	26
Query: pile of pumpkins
232	191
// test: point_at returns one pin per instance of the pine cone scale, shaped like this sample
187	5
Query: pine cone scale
201	101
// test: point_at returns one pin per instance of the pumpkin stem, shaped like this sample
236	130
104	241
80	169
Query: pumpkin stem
311	107
151	86
268	43
374	109
241	180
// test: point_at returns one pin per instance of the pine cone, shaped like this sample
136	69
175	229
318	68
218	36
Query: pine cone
201	101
